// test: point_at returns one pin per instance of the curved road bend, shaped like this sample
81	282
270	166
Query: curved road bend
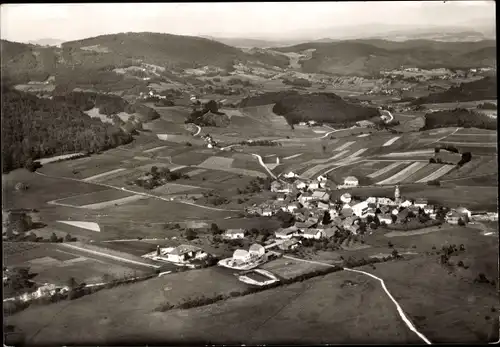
398	307
138	193
259	158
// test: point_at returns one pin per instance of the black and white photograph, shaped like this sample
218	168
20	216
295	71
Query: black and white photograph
249	173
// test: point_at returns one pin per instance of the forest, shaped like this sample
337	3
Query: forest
458	118
34	128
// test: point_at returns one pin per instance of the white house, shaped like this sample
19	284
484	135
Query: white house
360	209
351	181
313	234
464	211
292	207
305	197
290	174
313	185
428	209
385	202
256	250
234	234
300	184
241	256
420	203
267	212
385	218
182	253
346	198
395	211
333	213
280	197
371	200
406	203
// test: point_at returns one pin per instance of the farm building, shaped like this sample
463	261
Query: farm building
182	254
360	209
315	234
351	181
234	234
465	212
453	217
323	206
289	244
285	233
346	211
330	232
385	218
333	213
414	209
321	195
290	174
304	197
280	197
300	217
267	212
385	202
241	256
256	250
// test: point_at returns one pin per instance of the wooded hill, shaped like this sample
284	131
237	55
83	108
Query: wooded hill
483	89
369	57
459	118
34	128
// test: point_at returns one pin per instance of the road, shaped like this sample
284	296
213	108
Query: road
389	114
199	130
442	138
384	287
261	162
139	193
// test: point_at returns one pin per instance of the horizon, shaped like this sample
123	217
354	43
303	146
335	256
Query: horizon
313	20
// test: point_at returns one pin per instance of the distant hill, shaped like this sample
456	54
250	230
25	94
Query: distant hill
483	89
369	57
47	42
320	107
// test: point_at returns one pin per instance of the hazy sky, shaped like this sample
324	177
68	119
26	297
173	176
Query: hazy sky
23	22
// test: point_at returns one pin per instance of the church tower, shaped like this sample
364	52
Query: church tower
397	195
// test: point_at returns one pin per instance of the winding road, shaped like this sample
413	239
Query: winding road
401	313
261	162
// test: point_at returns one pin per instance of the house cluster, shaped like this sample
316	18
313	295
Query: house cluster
209	140
182	255
151	94
317	216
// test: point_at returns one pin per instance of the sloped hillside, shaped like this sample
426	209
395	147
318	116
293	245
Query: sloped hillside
369	57
483	89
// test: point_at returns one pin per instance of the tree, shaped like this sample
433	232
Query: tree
215	229
461	222
327	219
32	165
190	234
53	238
68	238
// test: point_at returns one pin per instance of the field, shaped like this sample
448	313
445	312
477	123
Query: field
54	263
95	197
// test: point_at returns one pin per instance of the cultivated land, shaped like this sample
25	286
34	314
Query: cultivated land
443	302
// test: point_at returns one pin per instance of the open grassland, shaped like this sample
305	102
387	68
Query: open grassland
41	189
362	313
94	197
54	263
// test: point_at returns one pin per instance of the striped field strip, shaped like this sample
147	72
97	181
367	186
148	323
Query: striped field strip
363	135
357	153
391	141
436	174
154	149
404	154
103	174
406	172
387	169
345	145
